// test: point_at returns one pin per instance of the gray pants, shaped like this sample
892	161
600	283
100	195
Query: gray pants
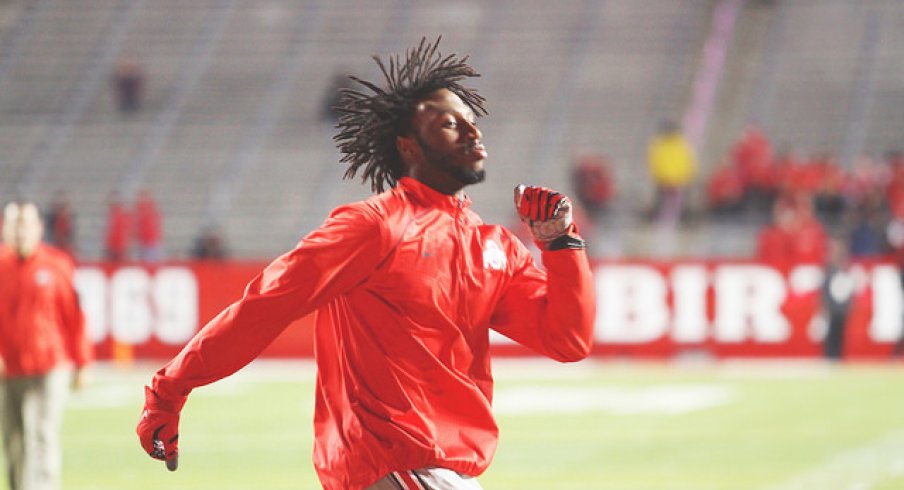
31	413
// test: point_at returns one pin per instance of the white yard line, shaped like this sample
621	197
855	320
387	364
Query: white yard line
858	468
661	399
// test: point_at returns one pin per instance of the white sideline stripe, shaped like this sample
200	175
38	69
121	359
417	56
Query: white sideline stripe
116	396
94	397
858	468
658	399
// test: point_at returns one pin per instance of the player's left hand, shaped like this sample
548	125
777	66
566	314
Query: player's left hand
548	214
158	428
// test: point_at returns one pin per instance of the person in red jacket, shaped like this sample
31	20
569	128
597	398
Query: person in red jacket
148	227
725	191
405	287
752	159
42	335
774	241
118	234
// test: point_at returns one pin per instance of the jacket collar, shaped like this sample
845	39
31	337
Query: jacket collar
427	196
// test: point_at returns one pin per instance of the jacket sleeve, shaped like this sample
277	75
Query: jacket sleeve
326	263
550	312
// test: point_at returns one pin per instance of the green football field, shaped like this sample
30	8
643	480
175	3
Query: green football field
593	425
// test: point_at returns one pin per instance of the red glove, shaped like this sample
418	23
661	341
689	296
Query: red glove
548	214
158	428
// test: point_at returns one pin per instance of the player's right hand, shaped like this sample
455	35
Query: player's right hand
158	428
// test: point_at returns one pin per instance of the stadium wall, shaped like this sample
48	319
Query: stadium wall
646	309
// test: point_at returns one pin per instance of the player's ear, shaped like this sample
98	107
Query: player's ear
408	149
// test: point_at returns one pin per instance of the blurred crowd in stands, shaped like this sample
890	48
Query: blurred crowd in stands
803	200
131	233
797	202
140	226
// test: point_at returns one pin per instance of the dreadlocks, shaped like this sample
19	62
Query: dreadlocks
370	122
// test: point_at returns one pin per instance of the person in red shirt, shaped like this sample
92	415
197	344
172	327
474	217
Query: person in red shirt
118	233
405	287
148	227
826	180
774	240
785	173
809	240
42	335
894	187
725	191
753	158
593	182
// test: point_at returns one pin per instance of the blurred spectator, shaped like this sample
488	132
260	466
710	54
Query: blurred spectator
725	191
867	233
829	180
592	181
795	235
867	177
209	245
809	238
148	228
128	84
836	293
774	239
807	178
118	234
42	337
61	224
753	159
894	191
672	167
785	172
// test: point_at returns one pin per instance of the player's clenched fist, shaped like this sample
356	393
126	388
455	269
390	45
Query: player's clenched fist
548	213
158	428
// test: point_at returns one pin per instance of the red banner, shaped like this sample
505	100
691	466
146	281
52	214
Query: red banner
151	311
645	309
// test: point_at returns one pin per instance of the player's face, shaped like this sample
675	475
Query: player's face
445	149
22	228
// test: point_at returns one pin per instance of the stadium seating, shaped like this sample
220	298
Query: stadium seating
230	129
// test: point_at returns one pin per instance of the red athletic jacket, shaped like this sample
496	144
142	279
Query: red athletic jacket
41	324
406	286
